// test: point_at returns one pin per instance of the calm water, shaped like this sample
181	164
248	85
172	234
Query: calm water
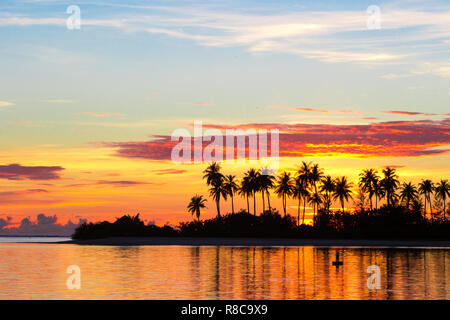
38	271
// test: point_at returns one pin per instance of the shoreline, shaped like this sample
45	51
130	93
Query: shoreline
259	242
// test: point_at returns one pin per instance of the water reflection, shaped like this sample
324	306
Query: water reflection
37	271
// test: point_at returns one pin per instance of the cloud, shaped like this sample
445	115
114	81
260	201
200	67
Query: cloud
19	172
411	113
117	183
9	194
121	183
203	104
103	114
24	124
394	139
5	104
42	226
440	69
300	109
168	171
326	35
316	110
60	101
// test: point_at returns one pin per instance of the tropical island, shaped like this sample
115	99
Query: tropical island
385	210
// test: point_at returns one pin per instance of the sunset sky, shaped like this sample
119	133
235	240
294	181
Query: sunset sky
86	114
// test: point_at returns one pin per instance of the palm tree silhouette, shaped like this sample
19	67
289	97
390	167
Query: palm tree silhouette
253	180
284	188
300	192
304	174
245	190
327	188
214	179
315	175
231	187
342	190
218	191
315	200
266	182
367	180
442	191
197	203
378	191
408	192
426	188
389	184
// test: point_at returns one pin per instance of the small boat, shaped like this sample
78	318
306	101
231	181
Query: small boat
337	263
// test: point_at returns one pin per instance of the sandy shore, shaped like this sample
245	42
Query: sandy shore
265	242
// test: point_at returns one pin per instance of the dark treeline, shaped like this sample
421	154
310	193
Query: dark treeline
126	226
310	186
384	208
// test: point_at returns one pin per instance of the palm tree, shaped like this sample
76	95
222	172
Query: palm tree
389	184
315	200
300	192
284	188
214	178
231	187
212	173
378	192
367	180
426	187
442	191
342	190
245	190
304	173
253	181
327	188
266	182
408	192
218	191
315	176
197	203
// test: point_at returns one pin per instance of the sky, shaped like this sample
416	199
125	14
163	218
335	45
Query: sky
86	114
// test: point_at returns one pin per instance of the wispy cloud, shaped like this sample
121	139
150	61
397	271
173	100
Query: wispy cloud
300	109
412	113
59	100
24	124
202	104
103	114
168	171
5	104
330	35
19	172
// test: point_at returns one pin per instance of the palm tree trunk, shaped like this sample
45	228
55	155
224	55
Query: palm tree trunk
264	205
425	210
284	204
370	203
304	209
342	204
268	201
254	203
232	204
248	205
429	201
218	207
298	210
444	205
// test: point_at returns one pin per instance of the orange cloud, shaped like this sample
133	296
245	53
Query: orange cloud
396	139
19	172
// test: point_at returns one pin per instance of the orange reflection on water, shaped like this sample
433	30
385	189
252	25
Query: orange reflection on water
38	271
